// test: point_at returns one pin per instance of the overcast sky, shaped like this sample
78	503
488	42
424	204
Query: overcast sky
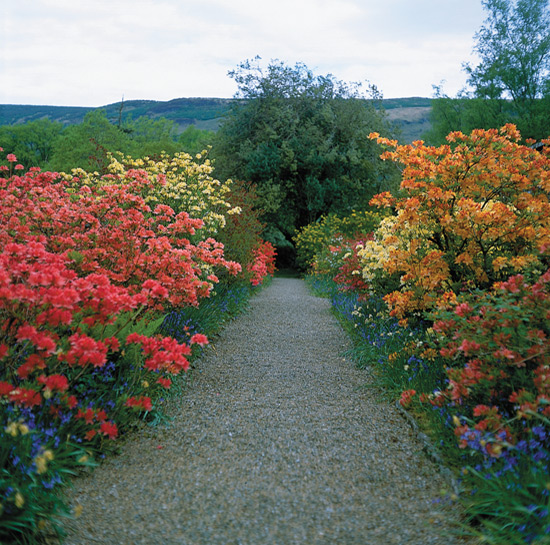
94	52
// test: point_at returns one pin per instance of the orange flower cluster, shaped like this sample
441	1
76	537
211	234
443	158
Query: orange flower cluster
482	204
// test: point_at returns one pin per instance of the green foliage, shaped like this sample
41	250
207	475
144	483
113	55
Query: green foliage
193	140
32	501
33	143
313	239
303	140
149	137
514	47
498	516
87	145
242	233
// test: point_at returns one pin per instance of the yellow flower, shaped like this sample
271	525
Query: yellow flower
19	500
12	429
23	429
41	465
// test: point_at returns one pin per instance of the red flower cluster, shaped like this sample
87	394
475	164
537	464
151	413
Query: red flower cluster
497	356
263	264
111	231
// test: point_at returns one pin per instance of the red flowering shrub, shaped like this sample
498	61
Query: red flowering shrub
495	347
111	231
84	275
329	259
55	329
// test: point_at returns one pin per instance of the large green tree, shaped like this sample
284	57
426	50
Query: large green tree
302	139
511	82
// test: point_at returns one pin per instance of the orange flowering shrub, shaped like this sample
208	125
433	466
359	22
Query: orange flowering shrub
480	205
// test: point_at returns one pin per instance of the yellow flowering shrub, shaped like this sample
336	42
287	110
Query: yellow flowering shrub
313	239
397	237
375	253
183	182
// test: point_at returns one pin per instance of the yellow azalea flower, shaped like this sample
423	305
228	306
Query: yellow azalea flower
12	429
41	465
19	500
23	429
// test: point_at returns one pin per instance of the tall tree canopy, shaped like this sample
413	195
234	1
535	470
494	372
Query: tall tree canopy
511	83
302	139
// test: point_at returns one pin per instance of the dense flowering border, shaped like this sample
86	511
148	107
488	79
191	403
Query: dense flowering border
87	273
472	213
462	266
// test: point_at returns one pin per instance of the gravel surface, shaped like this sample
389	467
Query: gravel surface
277	441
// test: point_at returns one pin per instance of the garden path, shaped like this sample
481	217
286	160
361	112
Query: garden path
277	441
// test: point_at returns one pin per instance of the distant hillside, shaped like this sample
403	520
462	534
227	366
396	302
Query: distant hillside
411	115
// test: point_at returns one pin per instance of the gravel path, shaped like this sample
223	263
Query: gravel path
276	442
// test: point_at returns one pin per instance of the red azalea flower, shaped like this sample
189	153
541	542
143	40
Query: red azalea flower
109	429
199	338
88	415
5	388
85	350
34	361
54	383
71	402
142	402
25	397
407	397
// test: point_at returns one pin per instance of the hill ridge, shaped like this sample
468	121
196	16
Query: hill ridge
410	114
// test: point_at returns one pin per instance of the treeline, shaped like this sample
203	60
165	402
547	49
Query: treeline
299	138
52	146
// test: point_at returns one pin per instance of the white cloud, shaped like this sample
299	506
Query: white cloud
90	53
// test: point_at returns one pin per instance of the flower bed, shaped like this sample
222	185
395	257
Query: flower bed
454	317
89	272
